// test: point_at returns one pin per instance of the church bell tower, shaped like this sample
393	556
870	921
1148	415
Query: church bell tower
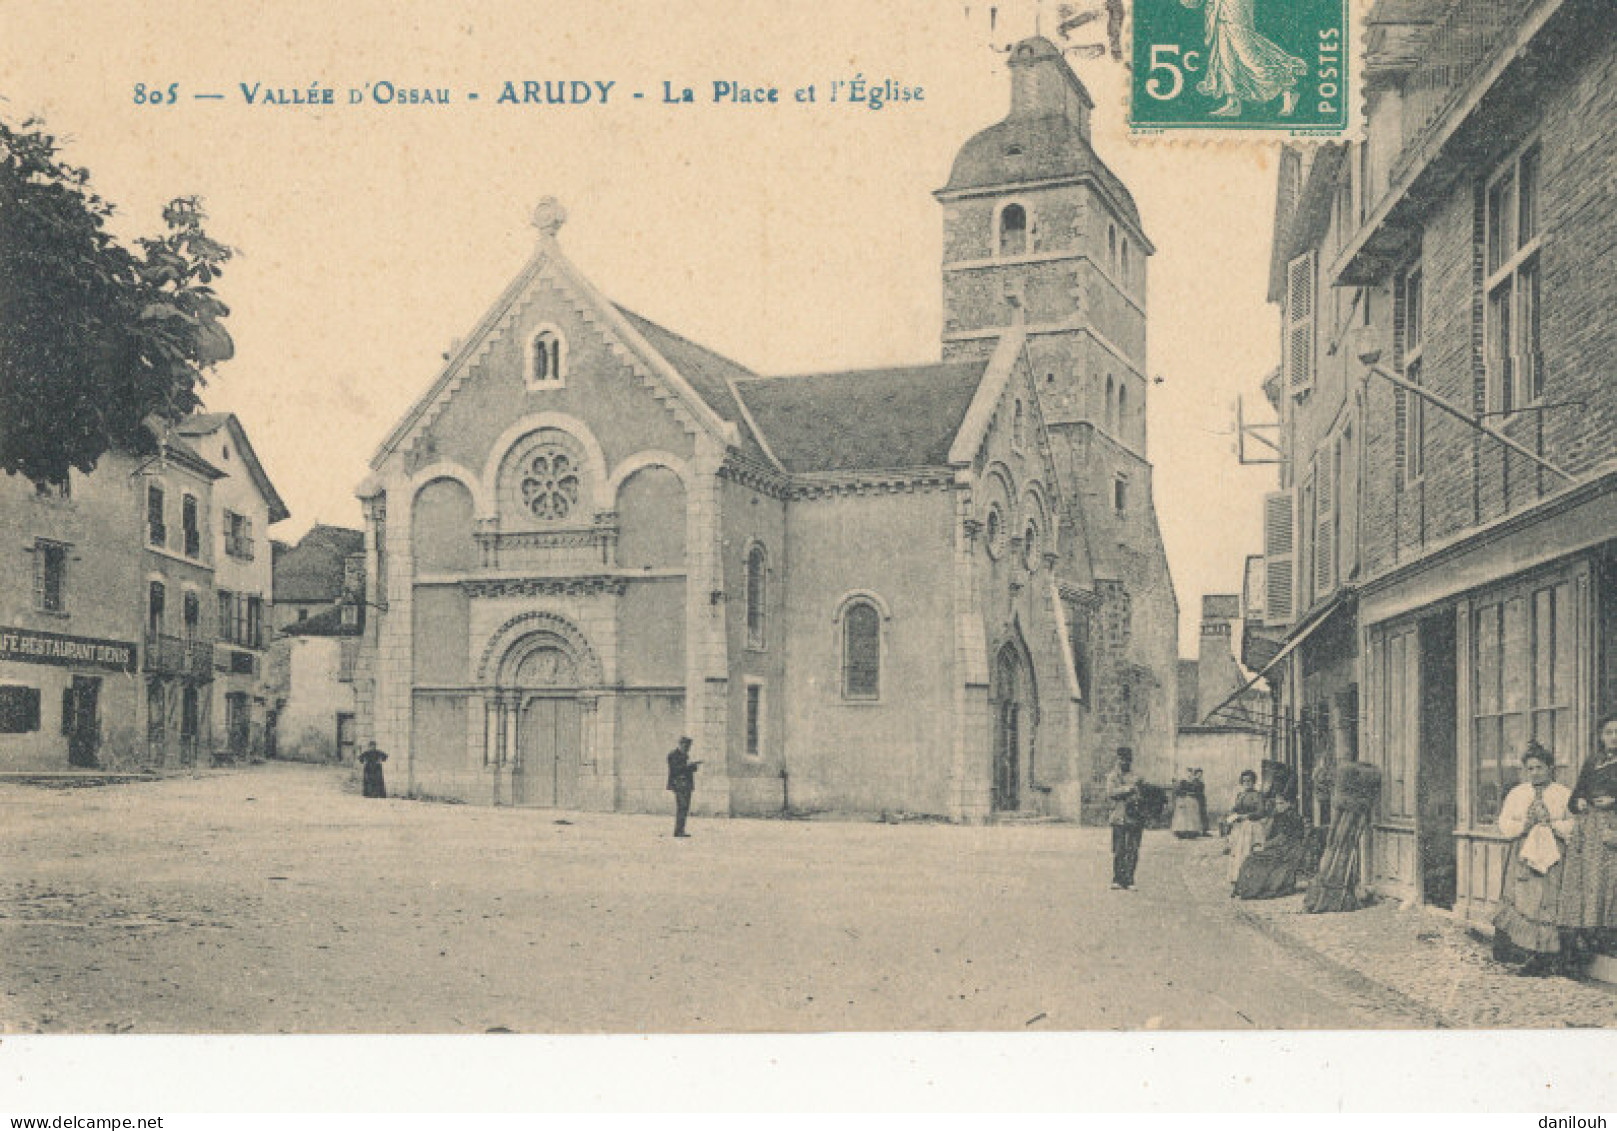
1038	232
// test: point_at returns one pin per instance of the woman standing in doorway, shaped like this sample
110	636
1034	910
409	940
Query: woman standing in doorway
1536	818
1588	904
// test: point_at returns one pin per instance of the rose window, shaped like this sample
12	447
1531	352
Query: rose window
550	485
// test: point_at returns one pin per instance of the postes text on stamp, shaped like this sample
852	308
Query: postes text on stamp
1242	65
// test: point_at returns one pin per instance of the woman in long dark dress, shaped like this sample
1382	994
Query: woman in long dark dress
1271	871
1588	900
372	782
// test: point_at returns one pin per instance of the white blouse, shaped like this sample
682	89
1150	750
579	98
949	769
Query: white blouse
1513	814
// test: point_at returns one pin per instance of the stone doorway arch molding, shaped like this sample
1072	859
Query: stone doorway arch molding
541	653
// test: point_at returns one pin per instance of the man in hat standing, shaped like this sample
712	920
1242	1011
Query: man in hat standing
1127	820
681	782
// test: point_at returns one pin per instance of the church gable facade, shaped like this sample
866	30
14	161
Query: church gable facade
866	592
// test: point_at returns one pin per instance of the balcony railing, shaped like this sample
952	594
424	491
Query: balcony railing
178	655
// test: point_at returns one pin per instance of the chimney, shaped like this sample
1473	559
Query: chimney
1217	673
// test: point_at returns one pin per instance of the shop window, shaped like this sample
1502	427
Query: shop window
861	651
1524	657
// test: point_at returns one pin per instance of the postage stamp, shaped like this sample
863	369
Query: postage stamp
1280	66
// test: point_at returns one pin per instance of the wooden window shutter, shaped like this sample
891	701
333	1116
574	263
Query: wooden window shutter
1299	343
1325	525
1278	554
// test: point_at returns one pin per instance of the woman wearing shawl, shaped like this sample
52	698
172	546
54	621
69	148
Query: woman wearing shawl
1535	816
1588	903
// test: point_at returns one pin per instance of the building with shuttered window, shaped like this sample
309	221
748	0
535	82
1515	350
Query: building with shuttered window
931	589
1438	579
111	616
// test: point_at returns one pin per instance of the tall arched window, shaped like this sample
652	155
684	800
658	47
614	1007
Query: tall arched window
1122	406
1111	247
757	593
1110	416
1017	425
1013	230
1125	269
861	651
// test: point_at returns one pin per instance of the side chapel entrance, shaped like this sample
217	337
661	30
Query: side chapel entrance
1016	717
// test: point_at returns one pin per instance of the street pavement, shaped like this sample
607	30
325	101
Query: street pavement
274	899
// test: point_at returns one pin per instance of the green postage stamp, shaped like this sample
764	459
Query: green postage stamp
1282	66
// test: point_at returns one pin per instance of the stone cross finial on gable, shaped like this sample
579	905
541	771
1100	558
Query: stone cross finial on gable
549	216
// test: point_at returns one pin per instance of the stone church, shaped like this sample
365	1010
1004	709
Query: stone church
934	589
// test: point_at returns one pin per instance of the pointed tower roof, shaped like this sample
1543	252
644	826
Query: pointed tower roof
1045	137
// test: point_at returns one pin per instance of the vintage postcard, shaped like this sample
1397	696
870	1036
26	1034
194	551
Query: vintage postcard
647	519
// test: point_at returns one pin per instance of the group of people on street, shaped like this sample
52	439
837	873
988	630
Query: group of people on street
1268	836
1560	891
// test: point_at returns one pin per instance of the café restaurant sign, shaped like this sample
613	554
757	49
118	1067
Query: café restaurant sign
26	646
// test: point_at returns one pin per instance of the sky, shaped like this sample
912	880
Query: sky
791	237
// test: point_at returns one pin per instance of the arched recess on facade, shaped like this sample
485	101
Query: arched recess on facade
588	449
442	521
648	492
1013	699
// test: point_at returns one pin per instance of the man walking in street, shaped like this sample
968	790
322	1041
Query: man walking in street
681	782
1128	819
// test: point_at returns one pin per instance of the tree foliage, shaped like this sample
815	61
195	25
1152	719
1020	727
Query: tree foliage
95	338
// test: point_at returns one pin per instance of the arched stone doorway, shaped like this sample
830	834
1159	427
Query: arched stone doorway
549	738
542	710
1014	705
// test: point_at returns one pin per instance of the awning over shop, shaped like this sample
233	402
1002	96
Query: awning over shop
1233	712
